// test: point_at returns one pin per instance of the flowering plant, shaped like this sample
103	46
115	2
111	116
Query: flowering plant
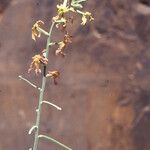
60	21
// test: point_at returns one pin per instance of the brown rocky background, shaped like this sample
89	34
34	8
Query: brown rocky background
104	87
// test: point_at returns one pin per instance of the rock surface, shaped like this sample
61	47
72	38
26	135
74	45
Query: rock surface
104	87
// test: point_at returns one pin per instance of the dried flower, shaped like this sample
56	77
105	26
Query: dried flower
85	17
62	45
37	60
67	38
60	50
35	29
54	75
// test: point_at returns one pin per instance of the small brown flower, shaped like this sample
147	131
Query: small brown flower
67	38
62	45
37	60
35	29
54	75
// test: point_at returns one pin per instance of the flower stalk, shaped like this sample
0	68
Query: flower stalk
61	21
39	110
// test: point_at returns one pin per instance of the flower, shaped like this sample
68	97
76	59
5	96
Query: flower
35	29
37	60
54	75
67	38
61	10
62	24
62	45
61	19
85	17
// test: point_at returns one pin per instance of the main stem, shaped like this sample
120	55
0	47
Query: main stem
39	110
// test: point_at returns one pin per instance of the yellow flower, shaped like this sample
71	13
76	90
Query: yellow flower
61	9
61	19
37	60
54	75
85	17
35	29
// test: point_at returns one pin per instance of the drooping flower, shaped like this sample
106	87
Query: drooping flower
54	75
62	45
67	38
35	29
85	17
60	50
37	60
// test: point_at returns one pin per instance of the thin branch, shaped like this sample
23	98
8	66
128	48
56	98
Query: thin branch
32	129
80	12
51	104
27	81
43	31
54	141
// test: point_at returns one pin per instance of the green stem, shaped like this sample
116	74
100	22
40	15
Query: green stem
54	141
39	110
65	2
43	31
80	12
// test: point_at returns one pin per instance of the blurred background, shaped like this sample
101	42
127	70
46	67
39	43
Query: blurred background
104	88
